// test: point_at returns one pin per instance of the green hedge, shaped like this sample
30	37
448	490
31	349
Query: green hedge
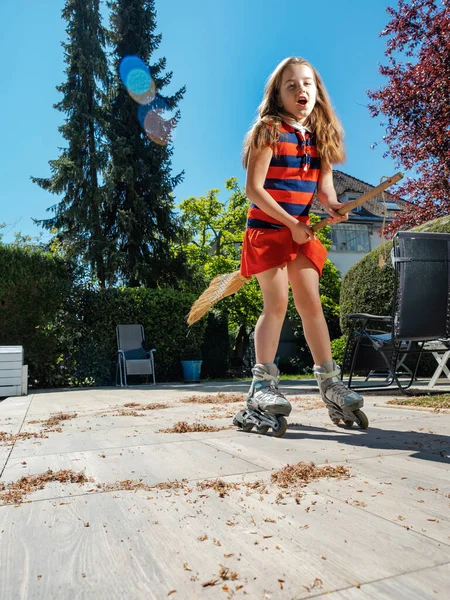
33	287
368	288
89	324
68	333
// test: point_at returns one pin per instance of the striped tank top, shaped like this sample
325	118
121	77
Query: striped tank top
291	178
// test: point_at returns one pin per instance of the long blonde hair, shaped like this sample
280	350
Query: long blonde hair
322	120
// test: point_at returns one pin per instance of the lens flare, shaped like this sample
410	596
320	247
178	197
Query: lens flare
147	96
135	76
158	121
154	114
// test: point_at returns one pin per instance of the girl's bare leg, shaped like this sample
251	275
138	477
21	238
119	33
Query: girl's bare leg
264	394
304	280
274	288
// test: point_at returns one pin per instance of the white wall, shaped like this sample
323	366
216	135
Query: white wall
345	260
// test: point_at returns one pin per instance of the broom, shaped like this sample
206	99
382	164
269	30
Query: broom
230	283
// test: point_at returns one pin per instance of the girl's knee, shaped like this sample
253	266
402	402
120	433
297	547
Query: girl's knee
311	308
276	307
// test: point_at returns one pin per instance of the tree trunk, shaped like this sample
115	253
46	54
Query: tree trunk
241	342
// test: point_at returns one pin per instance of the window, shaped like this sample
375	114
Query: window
349	237
348	197
392	206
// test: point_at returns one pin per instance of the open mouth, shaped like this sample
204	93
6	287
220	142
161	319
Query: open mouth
302	101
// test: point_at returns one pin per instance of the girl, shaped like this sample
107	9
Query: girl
288	155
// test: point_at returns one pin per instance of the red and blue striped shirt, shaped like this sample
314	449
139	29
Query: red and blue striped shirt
291	178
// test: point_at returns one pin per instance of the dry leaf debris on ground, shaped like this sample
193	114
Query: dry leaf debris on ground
215	414
184	427
290	479
15	492
9	439
437	402
50	425
131	409
303	473
316	583
54	420
225	574
135	409
307	402
219	398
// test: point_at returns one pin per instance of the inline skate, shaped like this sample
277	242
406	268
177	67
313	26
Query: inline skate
266	407
343	404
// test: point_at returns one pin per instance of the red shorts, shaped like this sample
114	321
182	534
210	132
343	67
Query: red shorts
265	249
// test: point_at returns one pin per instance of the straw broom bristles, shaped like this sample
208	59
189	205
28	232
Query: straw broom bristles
220	286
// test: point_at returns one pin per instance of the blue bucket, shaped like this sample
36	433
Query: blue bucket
191	369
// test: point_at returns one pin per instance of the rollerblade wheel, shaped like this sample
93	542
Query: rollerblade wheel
263	429
247	426
280	428
361	419
348	424
335	420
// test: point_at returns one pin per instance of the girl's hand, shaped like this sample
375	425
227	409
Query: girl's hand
333	216
302	233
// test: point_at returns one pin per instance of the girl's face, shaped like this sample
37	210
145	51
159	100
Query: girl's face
298	91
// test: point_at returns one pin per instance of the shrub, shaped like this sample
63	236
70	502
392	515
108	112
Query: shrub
33	288
338	349
89	326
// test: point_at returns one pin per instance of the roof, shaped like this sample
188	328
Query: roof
346	183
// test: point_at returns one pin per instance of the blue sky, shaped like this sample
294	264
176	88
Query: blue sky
223	51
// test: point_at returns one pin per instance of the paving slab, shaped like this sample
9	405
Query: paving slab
4	452
13	410
382	533
393	488
130	544
112	429
151	464
433	582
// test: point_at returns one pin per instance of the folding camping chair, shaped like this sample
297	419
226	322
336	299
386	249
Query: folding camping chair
421	315
132	358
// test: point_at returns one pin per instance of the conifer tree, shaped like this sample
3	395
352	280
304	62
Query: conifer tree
141	218
76	176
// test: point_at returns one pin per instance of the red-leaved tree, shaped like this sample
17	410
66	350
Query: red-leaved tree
416	106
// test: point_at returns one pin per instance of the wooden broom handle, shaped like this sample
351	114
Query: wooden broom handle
348	206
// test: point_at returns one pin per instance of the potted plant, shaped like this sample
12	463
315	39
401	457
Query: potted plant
191	361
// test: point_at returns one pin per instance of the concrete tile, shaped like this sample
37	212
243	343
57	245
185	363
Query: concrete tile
301	443
399	489
154	539
135	544
152	464
433	582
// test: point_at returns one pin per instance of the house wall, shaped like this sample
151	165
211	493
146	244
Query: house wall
345	260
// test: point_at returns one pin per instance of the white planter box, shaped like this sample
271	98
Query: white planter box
13	373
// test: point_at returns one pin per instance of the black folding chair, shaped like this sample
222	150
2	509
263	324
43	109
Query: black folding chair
394	344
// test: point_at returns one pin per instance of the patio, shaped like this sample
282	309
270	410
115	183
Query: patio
222	527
